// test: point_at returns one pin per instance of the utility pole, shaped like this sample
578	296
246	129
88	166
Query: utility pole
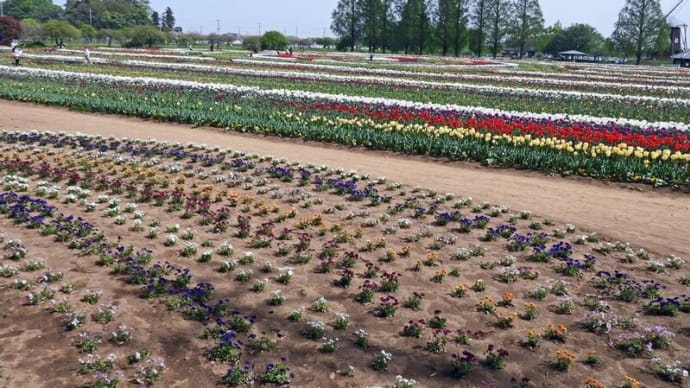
2	10
218	26
90	17
259	28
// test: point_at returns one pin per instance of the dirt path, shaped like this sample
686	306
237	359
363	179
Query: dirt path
656	220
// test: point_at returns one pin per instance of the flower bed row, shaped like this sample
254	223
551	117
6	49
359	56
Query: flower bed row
418	260
658	158
638	107
540	86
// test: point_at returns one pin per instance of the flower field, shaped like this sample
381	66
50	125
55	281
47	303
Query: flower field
166	264
627	127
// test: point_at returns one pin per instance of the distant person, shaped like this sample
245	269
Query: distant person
13	45
87	55
17	56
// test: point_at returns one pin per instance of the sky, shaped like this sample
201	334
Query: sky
312	18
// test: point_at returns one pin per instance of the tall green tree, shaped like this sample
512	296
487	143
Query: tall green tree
372	12
347	22
60	30
444	23
527	21
156	18
480	17
32	30
414	27
638	25
451	24
498	22
41	10
386	23
274	40
108	13
580	37
144	36
168	19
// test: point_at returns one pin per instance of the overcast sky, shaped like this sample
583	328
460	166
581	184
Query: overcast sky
310	18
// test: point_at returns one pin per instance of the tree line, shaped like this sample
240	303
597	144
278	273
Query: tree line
130	21
457	27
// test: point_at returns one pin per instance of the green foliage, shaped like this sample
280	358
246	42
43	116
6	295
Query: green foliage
87	31
41	10
144	36
252	43
346	22
108	13
32	31
497	24
415	27
60	30
451	20
274	40
527	21
638	25
580	37
168	20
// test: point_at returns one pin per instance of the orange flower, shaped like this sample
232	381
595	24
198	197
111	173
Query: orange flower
507	297
631	382
591	382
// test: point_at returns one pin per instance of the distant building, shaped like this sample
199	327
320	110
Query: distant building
575	56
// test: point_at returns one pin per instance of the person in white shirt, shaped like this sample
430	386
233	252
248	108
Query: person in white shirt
17	55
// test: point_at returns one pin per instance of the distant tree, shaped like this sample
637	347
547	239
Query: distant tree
41	10
251	43
32	30
109	35
325	42
10	29
545	36
480	18
87	31
371	11
414	27
444	23
144	36
638	25
497	23
155	19
527	21
580	37
451	20
386	20
274	40
108	13
61	30
168	19
347	22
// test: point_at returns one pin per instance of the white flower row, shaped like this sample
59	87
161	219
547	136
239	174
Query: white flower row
425	84
298	94
144	55
521	77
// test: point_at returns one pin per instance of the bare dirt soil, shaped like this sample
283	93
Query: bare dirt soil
658	220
